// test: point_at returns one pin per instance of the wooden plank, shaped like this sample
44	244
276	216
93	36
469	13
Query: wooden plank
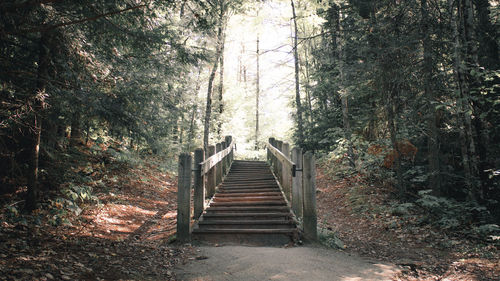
199	184
210	175
218	174
297	191
184	198
211	161
280	156
309	211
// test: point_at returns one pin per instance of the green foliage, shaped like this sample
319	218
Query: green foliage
330	239
447	214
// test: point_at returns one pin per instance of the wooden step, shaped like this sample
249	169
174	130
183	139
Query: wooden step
250	194
245	224
248	209
250	237
247	198
254	203
247	190
247	216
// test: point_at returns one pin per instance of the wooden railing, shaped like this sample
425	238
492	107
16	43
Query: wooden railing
296	174
208	174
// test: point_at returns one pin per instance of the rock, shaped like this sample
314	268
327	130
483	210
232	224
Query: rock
49	276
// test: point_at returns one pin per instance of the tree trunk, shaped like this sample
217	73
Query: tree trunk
218	50
393	130
300	130
464	53
344	95
488	55
308	85
432	134
257	96
39	93
221	82
191	126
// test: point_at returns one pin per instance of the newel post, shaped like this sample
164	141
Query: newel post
279	165
269	154
184	198
310	219
218	175
224	145
211	174
297	191
199	183
286	172
228	140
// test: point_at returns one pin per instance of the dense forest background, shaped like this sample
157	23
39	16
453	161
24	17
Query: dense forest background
408	92
403	93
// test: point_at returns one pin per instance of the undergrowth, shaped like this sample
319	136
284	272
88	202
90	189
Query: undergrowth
70	180
372	195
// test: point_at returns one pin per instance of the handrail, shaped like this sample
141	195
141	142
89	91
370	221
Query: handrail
298	183
207	175
211	161
282	158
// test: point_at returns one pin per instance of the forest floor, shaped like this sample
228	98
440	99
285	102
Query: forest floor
359	214
126	236
129	235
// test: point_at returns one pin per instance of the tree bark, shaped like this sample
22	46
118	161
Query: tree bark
39	95
344	95
257	96
221	83
218	50
432	129
300	126
463	59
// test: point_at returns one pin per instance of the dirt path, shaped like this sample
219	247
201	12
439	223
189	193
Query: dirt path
268	263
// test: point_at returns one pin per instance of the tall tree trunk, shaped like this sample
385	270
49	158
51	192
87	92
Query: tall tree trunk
257	96
191	126
218	50
488	57
432	129
39	93
344	95
308	82
392	109
464	58
181	130
221	83
300	125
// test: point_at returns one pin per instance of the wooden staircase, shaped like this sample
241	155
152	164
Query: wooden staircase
247	209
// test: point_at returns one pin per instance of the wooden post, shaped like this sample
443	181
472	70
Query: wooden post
279	170
297	191
199	183
223	161
273	158
184	198
310	219
218	175
211	174
286	173
269	154
228	157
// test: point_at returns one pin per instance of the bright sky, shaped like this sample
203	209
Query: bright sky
276	74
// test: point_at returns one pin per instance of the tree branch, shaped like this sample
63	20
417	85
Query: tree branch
96	17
